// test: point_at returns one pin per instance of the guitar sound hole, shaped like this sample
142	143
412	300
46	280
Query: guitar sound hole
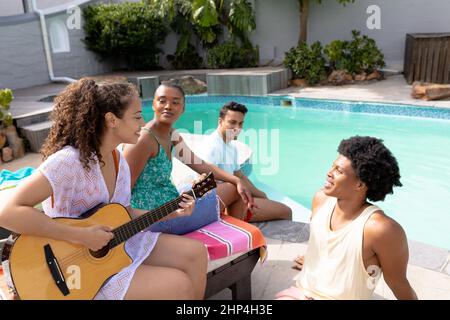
100	253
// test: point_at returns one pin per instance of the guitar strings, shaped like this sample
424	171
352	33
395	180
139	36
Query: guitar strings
126	229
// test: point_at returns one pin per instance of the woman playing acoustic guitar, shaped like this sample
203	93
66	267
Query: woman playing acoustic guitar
83	169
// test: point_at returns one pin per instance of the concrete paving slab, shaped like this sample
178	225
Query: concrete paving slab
427	256
284	230
394	89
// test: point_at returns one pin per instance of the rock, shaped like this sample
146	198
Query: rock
14	142
418	90
376	75
189	84
7	154
11	134
430	91
299	83
361	77
18	148
340	77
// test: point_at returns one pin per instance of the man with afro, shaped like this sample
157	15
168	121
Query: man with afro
352	242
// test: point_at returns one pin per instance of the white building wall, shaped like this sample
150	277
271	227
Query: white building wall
277	24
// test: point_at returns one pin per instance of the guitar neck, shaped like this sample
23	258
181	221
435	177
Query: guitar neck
129	229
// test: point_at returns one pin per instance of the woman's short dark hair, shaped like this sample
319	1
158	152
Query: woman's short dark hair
175	86
374	165
232	106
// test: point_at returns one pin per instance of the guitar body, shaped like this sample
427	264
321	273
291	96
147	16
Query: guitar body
83	273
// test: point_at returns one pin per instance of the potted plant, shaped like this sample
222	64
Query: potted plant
5	116
7	130
6	97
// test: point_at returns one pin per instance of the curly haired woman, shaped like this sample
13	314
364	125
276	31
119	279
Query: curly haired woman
83	169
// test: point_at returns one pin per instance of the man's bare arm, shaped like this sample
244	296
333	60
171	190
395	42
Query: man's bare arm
253	189
318	200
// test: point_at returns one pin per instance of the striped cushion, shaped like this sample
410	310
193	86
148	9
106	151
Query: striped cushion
5	292
229	236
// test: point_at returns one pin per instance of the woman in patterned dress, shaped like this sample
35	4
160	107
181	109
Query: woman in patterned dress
79	172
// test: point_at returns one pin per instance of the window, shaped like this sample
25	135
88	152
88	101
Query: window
59	36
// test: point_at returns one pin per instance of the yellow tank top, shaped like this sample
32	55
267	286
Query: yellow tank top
334	267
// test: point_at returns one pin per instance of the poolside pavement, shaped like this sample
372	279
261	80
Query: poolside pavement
394	89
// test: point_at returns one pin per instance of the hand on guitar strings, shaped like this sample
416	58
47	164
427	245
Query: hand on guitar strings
95	237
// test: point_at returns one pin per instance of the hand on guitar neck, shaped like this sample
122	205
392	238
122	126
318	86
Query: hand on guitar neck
186	208
98	236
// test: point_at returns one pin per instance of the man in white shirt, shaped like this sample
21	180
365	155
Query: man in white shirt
220	149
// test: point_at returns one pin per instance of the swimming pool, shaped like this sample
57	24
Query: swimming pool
310	131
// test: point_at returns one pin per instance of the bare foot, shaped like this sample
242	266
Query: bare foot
299	261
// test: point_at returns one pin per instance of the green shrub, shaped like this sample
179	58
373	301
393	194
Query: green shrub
356	56
129	31
337	55
306	62
230	55
6	96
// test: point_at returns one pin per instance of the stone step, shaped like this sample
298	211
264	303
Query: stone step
146	86
248	83
32	118
36	134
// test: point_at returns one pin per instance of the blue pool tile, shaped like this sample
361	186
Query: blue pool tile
332	105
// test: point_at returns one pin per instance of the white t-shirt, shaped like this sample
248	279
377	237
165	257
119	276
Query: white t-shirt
216	151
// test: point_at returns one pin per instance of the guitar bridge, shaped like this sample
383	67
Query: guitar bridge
55	270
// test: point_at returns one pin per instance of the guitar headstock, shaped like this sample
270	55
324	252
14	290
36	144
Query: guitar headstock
206	184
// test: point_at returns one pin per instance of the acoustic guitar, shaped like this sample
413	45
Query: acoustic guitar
41	268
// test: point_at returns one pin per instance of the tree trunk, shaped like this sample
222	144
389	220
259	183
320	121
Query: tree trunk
304	11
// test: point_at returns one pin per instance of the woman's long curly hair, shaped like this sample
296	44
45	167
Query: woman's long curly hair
79	117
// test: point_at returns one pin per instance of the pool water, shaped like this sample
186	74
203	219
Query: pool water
308	141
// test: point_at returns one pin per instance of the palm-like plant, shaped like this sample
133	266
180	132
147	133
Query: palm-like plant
242	20
205	12
207	15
